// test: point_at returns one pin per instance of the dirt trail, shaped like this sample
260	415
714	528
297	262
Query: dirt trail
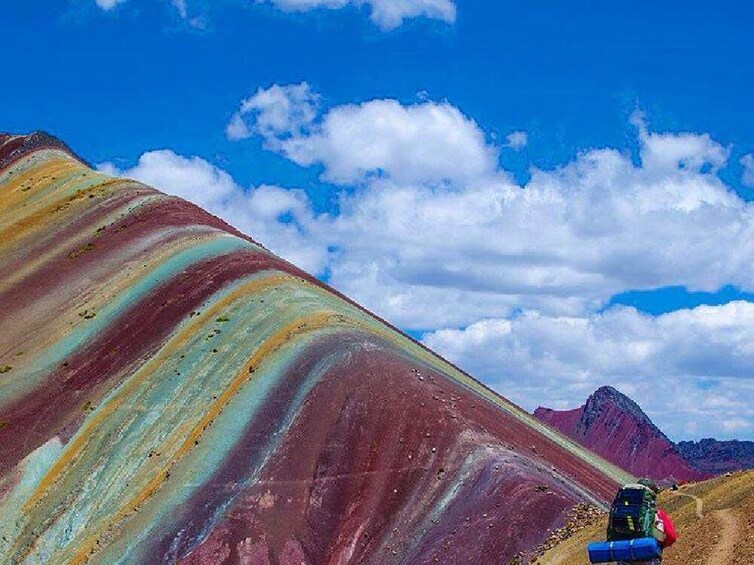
722	553
699	503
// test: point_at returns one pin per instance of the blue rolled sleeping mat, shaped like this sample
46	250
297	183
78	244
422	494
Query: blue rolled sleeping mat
637	549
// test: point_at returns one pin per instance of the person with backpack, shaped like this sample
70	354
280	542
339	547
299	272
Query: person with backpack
635	514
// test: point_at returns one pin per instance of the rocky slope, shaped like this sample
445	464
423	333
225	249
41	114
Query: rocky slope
170	391
615	427
716	457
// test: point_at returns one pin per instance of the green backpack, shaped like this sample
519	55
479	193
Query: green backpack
632	514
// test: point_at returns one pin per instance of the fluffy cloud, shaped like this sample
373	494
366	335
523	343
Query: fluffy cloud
181	8
701	360
387	14
672	151
278	113
707	341
108	4
516	140
280	219
510	281
748	176
380	139
434	218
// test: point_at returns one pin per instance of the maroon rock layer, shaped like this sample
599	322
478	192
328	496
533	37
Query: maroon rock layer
615	427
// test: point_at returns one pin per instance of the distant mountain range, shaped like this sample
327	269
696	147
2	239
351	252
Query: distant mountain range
716	457
615	427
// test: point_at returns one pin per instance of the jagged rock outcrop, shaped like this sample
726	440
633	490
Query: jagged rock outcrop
615	427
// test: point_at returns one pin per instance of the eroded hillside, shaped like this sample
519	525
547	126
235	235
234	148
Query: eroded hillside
172	391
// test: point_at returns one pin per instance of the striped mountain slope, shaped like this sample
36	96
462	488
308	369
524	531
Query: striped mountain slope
171	391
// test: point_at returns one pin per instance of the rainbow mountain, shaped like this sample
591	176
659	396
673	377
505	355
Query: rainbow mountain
170	391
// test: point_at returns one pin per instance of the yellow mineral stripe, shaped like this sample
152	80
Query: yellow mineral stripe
77	240
24	186
302	325
38	220
59	322
76	444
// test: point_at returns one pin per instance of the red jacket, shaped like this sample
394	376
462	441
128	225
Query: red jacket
670	534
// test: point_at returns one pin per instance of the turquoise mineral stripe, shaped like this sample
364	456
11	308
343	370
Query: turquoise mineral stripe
80	336
191	471
32	160
36	464
177	388
222	245
163	511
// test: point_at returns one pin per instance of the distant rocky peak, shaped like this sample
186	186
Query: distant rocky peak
615	427
605	398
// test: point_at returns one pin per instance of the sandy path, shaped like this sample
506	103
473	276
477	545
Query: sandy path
722	553
699	503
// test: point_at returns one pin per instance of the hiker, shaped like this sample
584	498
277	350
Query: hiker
637	531
663	531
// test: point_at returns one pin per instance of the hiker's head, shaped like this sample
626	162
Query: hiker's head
650	484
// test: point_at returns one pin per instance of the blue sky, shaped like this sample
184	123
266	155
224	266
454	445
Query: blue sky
606	242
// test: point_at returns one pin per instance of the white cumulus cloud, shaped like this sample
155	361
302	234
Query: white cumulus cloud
672	151
278	113
428	142
517	140
108	4
699	360
435	219
387	14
